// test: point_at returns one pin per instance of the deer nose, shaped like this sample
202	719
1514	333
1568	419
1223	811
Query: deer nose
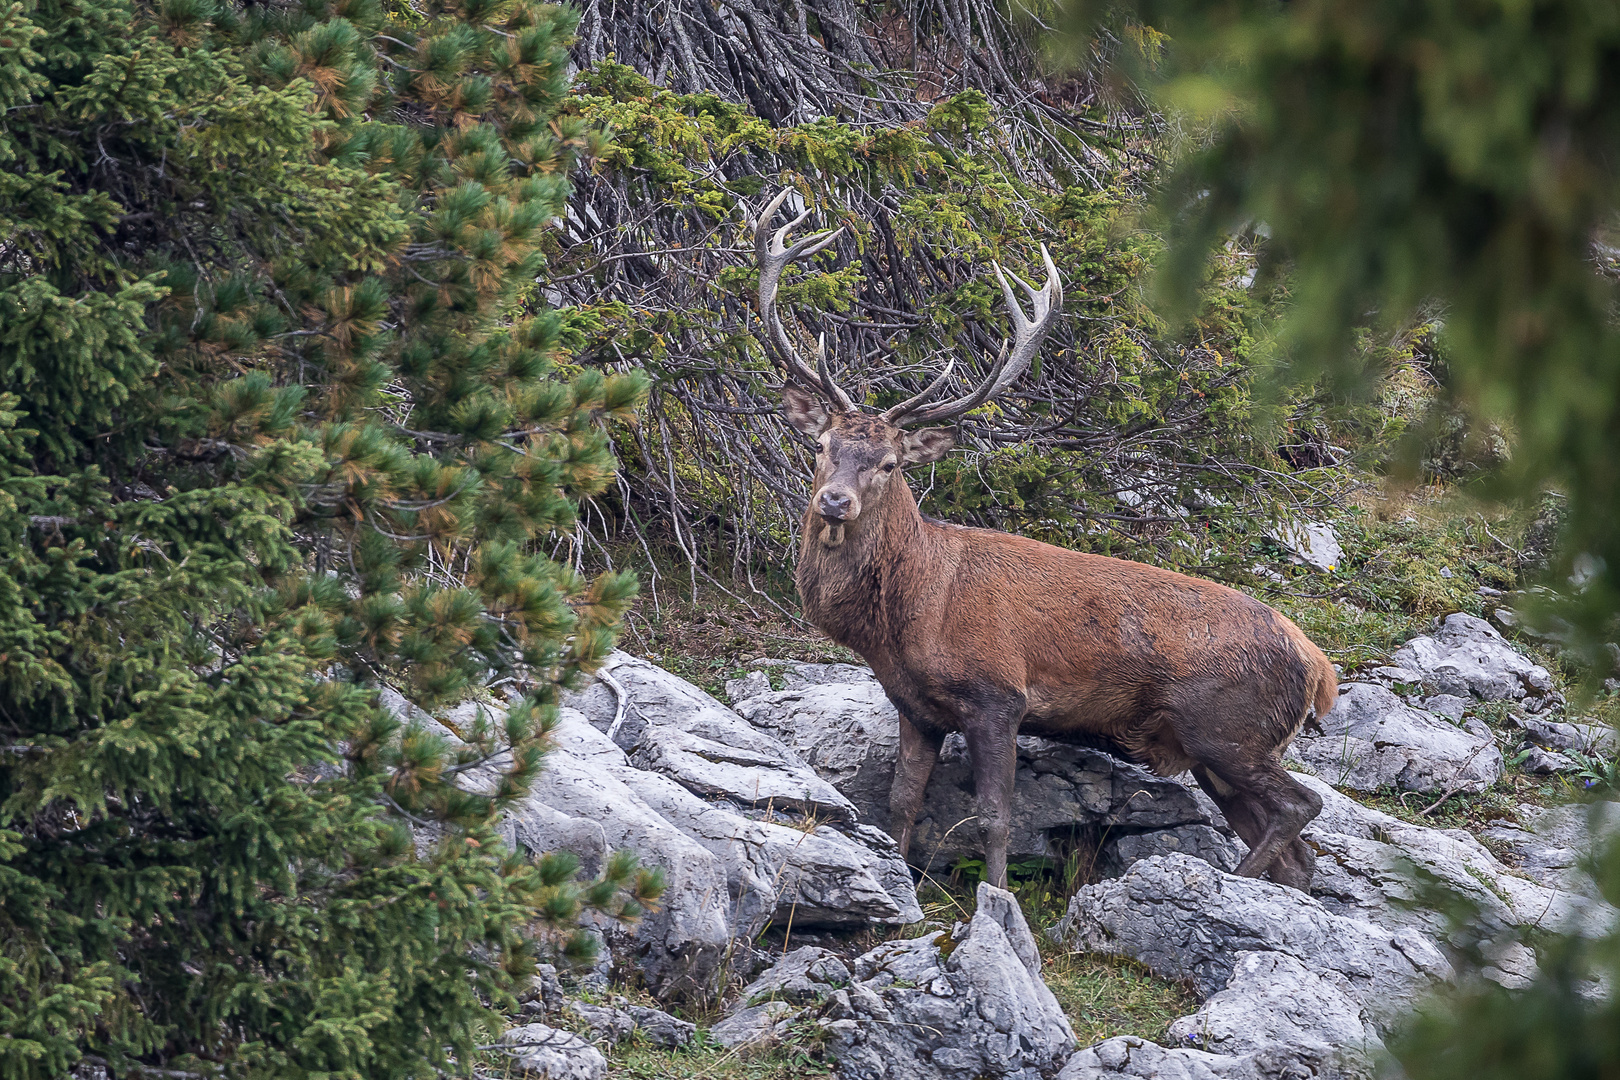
832	504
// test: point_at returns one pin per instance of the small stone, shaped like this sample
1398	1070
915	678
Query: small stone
546	1053
660	1029
608	1025
756	1025
1546	763
1445	571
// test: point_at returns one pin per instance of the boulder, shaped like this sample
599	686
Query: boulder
1185	919
1550	844
1539	762
1467	657
660	1029
606	1024
849	732
799	978
577	804
1372	739
1364	869
1200	841
1135	1057
908	1011
669	726
728	874
1310	543
1585	738
1276	1006
755	1026
812	874
545	1053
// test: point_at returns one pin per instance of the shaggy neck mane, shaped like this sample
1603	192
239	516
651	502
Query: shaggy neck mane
849	590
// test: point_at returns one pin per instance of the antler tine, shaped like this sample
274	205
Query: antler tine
774	258
895	412
1016	353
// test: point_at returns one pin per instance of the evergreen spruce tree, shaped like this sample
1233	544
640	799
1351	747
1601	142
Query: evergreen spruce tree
282	421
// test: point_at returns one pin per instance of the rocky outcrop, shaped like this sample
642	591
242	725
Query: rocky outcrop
1373	740
729	874
1281	1014
666	725
1467	657
1365	868
1550	845
1185	919
957	1007
849	732
1291	989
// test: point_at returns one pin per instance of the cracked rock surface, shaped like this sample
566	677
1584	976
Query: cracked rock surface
1185	919
962	1007
1372	740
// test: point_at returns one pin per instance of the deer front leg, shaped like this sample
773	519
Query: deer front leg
919	749
992	739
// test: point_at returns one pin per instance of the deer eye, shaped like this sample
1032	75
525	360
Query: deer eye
889	467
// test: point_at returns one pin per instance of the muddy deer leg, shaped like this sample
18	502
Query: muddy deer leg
992	739
919	749
1288	807
1293	866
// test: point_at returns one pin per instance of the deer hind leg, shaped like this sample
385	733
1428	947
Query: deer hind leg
1286	806
919	750
1294	865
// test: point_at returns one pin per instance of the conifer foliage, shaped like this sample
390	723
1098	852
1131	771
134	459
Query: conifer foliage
283	421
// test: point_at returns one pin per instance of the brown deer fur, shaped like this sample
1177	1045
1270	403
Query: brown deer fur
992	634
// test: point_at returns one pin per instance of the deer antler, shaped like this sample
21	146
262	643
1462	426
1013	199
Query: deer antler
1010	362
773	259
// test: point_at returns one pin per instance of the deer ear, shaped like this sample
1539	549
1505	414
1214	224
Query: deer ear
804	410
929	444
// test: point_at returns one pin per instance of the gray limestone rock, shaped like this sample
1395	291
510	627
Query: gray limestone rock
905	1011
581	803
756	1025
1592	739
1274	1004
1311	543
1364	865
1185	919
1550	844
660	1029
671	727
816	874
1372	739
727	874
799	978
1200	841
605	1024
1546	763
1467	657
1131	1056
545	1053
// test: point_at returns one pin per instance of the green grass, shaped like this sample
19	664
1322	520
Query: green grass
786	1062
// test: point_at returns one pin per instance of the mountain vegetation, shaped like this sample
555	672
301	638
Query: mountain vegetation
356	352
281	422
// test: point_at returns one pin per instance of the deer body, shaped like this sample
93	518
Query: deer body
991	634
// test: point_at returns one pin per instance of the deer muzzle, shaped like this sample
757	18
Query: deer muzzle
837	509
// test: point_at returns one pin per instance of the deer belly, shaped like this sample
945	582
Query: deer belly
1068	712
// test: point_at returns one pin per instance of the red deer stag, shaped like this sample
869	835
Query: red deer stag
992	634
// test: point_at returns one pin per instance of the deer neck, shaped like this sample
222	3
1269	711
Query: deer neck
848	590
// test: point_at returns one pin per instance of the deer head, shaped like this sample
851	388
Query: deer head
858	454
